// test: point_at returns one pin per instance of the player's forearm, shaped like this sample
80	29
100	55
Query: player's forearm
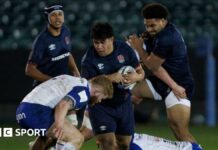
142	52
140	72
36	74
61	110
75	72
73	67
143	56
162	74
114	77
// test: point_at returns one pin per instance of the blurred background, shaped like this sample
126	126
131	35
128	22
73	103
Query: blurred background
22	20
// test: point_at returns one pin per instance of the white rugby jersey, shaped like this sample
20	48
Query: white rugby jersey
148	142
50	92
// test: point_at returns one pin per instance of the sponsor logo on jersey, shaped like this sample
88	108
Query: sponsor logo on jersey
100	66
121	58
20	117
52	47
103	128
67	40
60	56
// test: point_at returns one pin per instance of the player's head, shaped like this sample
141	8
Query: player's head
155	17
101	88
55	15
103	37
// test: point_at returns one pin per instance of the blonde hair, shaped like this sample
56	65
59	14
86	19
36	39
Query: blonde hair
105	82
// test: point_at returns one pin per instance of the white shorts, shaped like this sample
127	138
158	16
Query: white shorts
86	122
170	100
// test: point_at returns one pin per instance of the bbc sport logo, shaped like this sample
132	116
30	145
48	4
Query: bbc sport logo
10	132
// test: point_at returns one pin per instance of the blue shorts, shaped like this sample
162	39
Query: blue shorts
117	119
34	116
134	146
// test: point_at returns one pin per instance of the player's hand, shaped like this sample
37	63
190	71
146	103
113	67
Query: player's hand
116	77
130	77
179	92
58	130
136	42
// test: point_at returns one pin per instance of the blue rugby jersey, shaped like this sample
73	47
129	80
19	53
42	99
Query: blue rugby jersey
93	65
51	53
169	45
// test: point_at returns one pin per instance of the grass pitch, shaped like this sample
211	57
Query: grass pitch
207	137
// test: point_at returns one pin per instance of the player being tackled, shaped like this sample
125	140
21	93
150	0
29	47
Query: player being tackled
46	107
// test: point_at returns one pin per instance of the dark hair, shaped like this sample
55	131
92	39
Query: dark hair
101	31
155	11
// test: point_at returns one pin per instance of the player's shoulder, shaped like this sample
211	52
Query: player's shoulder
169	34
65	30
41	38
122	46
42	35
89	54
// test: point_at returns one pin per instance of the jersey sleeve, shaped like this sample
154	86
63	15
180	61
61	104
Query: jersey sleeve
37	53
133	60
79	96
87	70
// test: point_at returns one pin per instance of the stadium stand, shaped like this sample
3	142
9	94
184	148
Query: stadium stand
21	20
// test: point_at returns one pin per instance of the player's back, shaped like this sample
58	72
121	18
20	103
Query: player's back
49	93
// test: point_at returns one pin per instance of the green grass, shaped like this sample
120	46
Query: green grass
207	137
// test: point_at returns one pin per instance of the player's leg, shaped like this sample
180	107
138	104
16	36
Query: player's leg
104	126
41	143
86	127
71	138
123	142
178	114
31	116
125	125
72	118
142	89
107	141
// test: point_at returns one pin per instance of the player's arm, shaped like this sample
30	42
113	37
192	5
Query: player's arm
134	76
60	113
73	67
115	77
36	57
137	44
86	127
32	71
154	63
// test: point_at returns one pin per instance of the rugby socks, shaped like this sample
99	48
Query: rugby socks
60	145
196	146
